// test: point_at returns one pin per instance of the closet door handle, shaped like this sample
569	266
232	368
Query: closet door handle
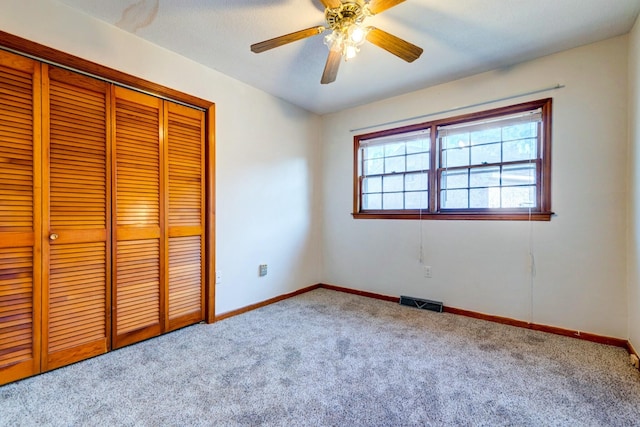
53	236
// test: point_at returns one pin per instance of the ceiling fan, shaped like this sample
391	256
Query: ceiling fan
346	20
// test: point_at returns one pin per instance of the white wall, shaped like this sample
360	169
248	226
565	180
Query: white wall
266	152
271	167
634	187
483	265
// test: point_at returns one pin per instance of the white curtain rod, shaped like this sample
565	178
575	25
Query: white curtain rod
556	87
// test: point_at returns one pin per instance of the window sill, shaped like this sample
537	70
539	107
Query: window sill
462	216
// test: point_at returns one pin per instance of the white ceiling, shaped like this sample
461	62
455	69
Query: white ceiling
459	38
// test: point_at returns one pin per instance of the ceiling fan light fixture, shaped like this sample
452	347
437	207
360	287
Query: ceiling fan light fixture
334	40
356	34
350	51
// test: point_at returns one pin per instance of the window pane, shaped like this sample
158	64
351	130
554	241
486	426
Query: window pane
372	201
416	181
519	174
519	197
455	179
394	149
454	199
519	131
374	152
455	157
394	164
418	162
418	145
372	185
489	153
459	140
520	149
486	136
392	201
485	177
484	198
374	167
392	183
416	200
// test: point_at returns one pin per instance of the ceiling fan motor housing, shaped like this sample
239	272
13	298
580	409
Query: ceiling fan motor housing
350	12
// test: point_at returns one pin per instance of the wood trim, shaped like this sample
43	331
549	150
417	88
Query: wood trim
210	215
163	142
53	55
357	193
20	370
110	225
545	172
138	335
16	238
503	216
601	339
113	223
136	233
38	209
631	349
266	302
76	354
183	231
183	321
45	167
360	293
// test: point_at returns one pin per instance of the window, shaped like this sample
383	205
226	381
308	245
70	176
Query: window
490	165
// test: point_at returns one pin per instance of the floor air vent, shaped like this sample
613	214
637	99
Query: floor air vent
424	304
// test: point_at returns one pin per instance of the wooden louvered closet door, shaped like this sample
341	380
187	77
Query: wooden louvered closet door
185	199
76	294
137	292
102	217
20	227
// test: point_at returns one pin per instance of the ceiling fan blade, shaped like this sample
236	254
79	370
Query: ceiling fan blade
331	67
287	38
331	4
395	45
377	6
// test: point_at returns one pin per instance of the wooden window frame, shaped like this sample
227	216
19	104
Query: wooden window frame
542	212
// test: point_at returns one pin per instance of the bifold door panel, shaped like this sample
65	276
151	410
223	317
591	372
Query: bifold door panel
76	238
20	221
138	291
186	231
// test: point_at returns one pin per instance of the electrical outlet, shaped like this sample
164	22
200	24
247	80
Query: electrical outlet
263	270
427	271
218	277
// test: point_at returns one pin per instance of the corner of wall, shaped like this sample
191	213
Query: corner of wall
633	187
319	194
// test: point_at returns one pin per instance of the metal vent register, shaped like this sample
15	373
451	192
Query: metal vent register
423	304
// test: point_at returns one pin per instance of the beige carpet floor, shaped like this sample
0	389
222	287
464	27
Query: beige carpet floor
331	359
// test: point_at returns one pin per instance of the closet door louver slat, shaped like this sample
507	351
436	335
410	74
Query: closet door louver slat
76	296
137	291
20	226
